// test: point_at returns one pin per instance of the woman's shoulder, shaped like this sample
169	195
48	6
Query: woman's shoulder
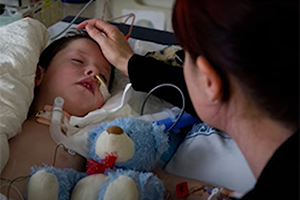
282	172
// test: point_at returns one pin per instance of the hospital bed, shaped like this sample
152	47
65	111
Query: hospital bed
143	41
16	82
20	46
203	147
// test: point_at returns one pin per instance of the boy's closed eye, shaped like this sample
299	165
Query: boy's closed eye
78	61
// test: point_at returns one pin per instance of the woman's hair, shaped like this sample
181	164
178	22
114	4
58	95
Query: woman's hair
255	41
56	46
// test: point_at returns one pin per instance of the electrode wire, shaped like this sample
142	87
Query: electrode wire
183	102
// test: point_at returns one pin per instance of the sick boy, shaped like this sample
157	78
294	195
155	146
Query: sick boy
68	68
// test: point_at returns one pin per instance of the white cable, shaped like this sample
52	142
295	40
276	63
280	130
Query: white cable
74	19
106	6
183	102
14	187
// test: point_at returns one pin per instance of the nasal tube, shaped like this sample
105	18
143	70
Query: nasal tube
55	126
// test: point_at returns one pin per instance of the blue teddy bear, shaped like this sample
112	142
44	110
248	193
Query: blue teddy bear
122	153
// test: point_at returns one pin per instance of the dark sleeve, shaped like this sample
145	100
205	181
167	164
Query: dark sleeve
145	73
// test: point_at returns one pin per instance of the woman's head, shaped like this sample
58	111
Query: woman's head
252	44
67	68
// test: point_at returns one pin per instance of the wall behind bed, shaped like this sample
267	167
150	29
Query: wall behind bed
142	8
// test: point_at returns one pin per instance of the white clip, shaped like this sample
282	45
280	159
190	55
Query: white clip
214	193
71	152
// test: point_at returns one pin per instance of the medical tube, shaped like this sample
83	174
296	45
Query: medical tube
183	102
55	126
72	143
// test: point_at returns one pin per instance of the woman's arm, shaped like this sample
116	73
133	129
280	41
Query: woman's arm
145	73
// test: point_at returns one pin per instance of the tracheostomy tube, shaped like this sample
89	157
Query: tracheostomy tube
55	128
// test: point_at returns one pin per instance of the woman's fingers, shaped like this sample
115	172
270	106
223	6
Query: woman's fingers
95	34
111	40
102	26
86	22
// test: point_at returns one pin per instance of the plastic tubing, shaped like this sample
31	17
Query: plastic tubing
72	22
72	143
55	126
183	102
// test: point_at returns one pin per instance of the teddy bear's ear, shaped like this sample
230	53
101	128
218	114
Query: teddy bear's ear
115	130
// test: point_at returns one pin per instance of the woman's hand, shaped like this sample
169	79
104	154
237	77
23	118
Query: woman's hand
113	43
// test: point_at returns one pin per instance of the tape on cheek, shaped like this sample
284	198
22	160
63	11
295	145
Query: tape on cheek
104	91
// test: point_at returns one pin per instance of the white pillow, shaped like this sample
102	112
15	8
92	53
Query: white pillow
21	44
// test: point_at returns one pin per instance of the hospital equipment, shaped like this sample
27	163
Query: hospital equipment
167	122
105	5
15	3
76	142
12	7
72	22
103	89
157	37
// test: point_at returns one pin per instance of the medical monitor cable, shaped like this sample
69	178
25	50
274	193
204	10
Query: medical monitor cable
183	102
72	22
105	5
10	185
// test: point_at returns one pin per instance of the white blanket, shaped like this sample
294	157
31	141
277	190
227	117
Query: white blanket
21	43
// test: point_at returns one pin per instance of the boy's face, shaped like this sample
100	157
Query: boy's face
71	75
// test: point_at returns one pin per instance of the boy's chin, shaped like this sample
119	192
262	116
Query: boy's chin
80	112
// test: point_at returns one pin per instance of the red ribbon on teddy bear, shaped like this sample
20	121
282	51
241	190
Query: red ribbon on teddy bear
94	167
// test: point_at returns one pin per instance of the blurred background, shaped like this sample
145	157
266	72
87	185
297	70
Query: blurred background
154	14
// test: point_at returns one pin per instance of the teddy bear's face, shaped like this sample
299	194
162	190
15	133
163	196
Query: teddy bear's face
114	141
139	148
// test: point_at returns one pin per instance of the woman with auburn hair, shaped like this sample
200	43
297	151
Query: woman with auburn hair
241	74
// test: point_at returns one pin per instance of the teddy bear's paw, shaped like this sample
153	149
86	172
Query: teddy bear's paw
43	185
122	188
88	188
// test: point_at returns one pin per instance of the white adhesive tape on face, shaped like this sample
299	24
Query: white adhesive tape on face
103	89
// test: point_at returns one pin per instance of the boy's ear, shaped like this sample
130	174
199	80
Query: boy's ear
39	74
212	82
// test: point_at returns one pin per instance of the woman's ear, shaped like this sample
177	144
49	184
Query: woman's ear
39	74
212	82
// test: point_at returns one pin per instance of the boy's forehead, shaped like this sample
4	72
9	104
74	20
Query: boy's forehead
83	43
82	46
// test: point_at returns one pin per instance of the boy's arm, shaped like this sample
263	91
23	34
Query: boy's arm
177	187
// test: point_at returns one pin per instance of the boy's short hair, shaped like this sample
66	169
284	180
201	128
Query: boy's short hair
57	45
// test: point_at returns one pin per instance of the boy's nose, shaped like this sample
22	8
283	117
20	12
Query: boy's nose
91	71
